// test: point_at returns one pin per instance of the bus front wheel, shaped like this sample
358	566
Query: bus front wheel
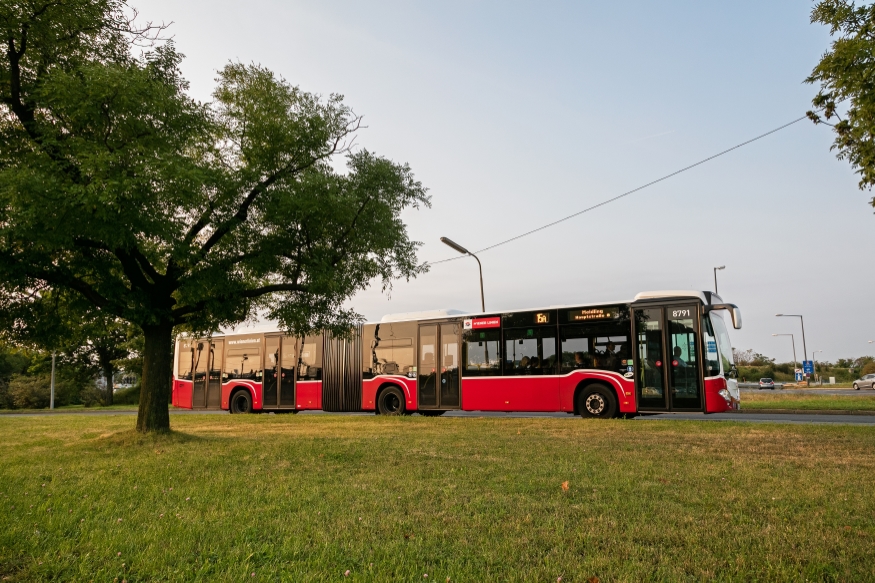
597	401
241	402
391	402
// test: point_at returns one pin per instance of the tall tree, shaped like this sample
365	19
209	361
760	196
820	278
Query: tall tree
846	74
169	213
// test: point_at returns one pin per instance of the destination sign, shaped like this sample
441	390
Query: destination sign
588	314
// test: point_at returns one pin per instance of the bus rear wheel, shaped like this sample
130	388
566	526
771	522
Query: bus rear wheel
597	401
241	402
391	402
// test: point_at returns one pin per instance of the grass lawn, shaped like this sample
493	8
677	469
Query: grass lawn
72	408
779	400
307	498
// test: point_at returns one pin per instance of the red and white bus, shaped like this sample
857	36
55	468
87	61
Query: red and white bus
662	351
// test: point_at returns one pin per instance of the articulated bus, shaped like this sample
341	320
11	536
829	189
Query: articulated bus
662	351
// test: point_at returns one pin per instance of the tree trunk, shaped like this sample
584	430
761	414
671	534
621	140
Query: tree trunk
154	411
108	372
105	361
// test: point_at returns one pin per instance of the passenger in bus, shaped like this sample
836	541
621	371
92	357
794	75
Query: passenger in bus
524	365
535	365
609	360
677	356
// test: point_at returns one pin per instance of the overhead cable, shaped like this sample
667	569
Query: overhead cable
633	191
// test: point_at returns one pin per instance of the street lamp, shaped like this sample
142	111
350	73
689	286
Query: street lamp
795	362
464	251
715	278
814	358
804	350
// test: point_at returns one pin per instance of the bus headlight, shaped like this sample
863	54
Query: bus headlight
726	396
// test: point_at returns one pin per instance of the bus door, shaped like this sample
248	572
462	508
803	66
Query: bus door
279	372
667	358
214	378
200	376
207	379
438	385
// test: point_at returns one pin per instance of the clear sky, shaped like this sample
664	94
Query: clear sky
516	114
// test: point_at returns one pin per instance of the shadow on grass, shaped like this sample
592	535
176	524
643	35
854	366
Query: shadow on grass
133	438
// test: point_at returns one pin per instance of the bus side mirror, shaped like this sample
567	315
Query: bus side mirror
736	317
734	312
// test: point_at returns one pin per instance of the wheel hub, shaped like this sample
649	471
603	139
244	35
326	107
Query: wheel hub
595	404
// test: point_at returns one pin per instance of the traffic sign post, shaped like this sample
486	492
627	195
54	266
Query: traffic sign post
799	375
808	367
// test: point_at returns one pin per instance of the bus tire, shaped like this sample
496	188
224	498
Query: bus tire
241	402
391	401
428	413
597	400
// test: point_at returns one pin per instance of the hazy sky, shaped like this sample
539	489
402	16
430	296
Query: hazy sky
517	114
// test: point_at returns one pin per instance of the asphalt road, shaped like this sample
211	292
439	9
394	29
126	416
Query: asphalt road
743	418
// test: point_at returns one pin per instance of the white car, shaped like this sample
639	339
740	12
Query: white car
867	382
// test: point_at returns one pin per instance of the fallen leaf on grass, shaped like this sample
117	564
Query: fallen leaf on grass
593	579
409	536
565	485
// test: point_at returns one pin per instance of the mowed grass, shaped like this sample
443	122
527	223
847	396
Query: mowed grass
779	400
309	497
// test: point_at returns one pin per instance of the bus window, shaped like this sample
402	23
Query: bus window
712	359
723	344
310	360
389	350
481	353
244	363
603	346
183	366
530	351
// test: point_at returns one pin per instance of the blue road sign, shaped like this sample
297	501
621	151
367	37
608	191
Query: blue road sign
798	375
808	366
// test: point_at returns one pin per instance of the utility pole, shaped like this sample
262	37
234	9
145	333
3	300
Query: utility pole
715	278
52	398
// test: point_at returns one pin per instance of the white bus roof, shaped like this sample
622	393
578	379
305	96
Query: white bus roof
651	295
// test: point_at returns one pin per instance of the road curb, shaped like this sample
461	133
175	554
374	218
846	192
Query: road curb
802	412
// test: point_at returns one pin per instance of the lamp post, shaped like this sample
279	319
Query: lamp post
804	350
52	395
792	338
715	278
814	358
464	251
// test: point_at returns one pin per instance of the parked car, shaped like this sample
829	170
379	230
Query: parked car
767	384
867	382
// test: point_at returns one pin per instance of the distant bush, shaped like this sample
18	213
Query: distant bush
91	396
5	399
30	392
129	396
869	368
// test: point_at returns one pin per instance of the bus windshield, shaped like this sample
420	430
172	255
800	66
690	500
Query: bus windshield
723	343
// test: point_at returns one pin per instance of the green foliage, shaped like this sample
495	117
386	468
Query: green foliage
164	212
30	392
750	358
845	74
129	396
869	368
